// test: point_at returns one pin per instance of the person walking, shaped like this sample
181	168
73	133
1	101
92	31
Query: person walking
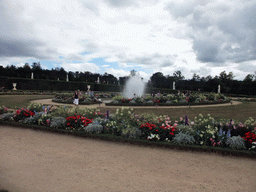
76	98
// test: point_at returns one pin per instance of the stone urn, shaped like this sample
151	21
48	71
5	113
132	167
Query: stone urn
14	86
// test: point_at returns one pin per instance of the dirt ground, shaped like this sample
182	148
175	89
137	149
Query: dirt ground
32	161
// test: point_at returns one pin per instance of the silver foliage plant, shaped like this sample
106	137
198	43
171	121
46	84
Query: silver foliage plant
7	116
185	129
94	128
33	119
131	132
182	138
236	142
58	122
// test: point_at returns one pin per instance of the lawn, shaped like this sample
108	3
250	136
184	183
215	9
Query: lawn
18	101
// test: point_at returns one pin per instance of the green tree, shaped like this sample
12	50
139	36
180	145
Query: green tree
178	75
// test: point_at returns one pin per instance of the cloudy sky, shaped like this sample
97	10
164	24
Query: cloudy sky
116	36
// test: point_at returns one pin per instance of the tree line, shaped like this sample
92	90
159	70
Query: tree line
209	84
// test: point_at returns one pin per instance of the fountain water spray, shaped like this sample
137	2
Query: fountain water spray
134	85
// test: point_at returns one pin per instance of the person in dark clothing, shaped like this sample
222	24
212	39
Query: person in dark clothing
76	98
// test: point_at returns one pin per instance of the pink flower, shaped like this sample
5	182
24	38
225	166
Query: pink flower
211	139
192	123
181	118
163	124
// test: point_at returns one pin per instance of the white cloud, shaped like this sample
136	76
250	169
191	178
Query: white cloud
91	67
157	35
117	72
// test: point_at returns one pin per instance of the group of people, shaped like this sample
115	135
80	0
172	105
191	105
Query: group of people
78	93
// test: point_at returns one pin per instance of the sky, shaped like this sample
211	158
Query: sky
117	36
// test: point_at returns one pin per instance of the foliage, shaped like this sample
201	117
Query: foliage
3	109
7	116
236	142
171	98
205	129
37	107
131	132
33	119
58	122
183	138
94	128
63	111
117	97
186	129
66	111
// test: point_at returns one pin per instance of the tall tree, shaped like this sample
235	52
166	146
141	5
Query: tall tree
178	75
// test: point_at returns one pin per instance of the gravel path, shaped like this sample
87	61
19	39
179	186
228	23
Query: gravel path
32	161
49	102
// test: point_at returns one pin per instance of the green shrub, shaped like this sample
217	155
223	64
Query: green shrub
35	107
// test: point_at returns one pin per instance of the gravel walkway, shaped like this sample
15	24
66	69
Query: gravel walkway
49	102
32	161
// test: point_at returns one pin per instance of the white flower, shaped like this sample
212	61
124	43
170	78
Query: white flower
201	142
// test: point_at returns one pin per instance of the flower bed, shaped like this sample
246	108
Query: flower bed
204	133
170	100
84	98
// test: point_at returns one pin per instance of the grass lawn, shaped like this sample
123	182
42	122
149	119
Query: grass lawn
18	101
236	112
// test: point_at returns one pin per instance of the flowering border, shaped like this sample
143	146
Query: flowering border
139	142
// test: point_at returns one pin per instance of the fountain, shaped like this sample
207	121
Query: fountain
134	85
